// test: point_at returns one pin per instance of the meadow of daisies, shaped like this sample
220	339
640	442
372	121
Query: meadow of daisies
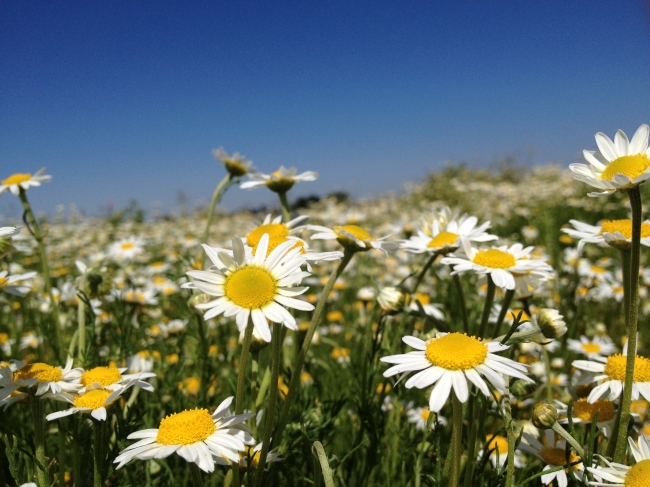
484	328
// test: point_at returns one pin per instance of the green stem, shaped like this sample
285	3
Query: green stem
81	319
569	439
510	293
241	379
475	428
196	475
487	306
294	384
286	214
255	371
269	414
632	315
510	432
216	197
549	384
38	417
32	226
62	458
456	438
461	300
423	272
98	464
324	465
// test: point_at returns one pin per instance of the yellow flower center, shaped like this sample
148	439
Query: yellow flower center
275	241
40	371
556	456
250	288
104	376
94	399
615	368
425	414
585	411
499	444
127	245
442	239
254	459
591	347
494	258
423	298
624	227
4	337
456	351
630	166
354	230
639	406
186	428
3	281
638	475
273	229
16	179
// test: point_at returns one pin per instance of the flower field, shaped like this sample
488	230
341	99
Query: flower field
483	328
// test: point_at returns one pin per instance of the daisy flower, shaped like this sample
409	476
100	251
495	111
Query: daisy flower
617	165
275	228
497	446
195	435
258	286
12	284
113	378
637	475
279	181
6	232
252	455
612	232
352	236
93	402
23	181
420	418
553	455
451	360
596	347
236	165
46	378
610	372
584	412
126	248
503	263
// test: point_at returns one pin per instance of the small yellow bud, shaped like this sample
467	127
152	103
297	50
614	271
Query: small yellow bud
544	416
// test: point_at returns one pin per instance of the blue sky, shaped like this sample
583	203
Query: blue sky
126	100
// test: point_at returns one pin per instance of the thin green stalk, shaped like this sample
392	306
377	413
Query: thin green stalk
294	384
461	299
32	226
547	368
269	413
219	191
510	293
324	465
241	379
255	371
510	433
621	441
81	319
38	417
99	451
487	306
475	429
569	439
423	272
456	441
286	214
196	475
63	450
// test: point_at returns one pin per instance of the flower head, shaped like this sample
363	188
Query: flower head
638	475
596	347
553	454
236	165
352	237
22	181
617	233
14	284
610	374
279	181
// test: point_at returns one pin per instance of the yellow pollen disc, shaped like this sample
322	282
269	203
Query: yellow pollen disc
615	368
425	414
624	227
275	241
494	258
273	229
638	475
3	281
585	411
353	230
127	245
4	338
94	399
639	406
186	428
499	444
423	298
591	347
104	376
250	288
630	166
442	239
40	371
556	456
456	351
16	179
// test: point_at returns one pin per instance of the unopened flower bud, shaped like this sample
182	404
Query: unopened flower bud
522	388
551	323
544	415
392	300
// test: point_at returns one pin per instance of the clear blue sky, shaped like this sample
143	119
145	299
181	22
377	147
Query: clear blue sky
126	99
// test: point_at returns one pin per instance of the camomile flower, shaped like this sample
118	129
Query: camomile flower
126	248
14	284
420	418
638	475
610	373
94	402
23	181
617	165
433	310
236	164
310	255
196	436
553	455
583	411
497	446
279	181
252	455
46	378
451	360
113	378
275	228
596	347
258	286
503	263
616	233
352	236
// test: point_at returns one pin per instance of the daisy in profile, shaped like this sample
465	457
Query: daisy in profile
196	436
279	181
593	348
616	233
46	379
610	374
252	456
584	412
638	475
497	447
503	263
352	236
15	284
23	181
258	286
275	228
94	402
451	360
617	165
113	378
236	164
553	455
